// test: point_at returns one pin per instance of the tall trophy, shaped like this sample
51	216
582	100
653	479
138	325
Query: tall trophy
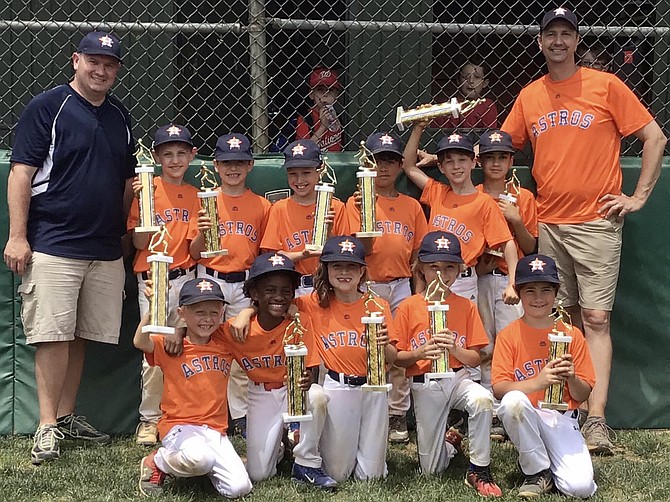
208	195
559	343
295	352
366	174
428	112
376	360
437	311
324	195
147	223
159	303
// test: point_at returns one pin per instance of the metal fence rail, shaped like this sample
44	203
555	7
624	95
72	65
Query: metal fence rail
221	66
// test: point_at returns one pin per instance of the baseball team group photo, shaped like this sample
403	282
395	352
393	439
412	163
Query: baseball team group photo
463	299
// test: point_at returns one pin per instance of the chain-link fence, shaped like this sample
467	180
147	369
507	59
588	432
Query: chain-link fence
234	65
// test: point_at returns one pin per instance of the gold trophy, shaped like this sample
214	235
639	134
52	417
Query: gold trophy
511	194
295	352
159	303
324	196
366	174
559	343
427	112
208	196
437	310
147	223
376	377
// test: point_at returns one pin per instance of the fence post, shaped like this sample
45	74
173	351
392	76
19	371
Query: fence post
259	77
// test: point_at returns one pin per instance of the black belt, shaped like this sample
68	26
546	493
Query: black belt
354	380
498	272
227	276
307	281
422	378
174	273
467	272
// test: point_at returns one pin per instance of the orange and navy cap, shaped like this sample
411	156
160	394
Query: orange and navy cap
233	146
200	290
495	141
536	268
381	142
100	43
302	153
559	13
272	262
171	133
343	248
440	246
455	141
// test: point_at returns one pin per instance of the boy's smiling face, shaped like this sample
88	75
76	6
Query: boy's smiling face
456	165
174	159
233	173
302	180
495	164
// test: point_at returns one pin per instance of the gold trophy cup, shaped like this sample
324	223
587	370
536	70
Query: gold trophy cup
295	352
366	174
376	360
437	311
324	195
159	303
147	223
559	344
453	108
208	196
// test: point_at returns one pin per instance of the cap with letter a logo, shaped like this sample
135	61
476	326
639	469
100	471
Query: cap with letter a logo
200	290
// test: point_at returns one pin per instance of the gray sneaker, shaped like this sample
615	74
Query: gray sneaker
398	429
498	431
45	445
598	436
537	484
76	427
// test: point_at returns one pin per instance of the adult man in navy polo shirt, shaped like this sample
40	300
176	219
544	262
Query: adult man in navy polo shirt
69	189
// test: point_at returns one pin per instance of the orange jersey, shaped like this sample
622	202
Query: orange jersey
403	225
339	333
195	384
175	206
528	211
242	222
261	356
521	352
475	219
412	321
575	127
291	225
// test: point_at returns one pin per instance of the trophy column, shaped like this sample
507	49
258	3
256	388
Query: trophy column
376	377
553	395
295	352
145	173
438	321
366	183
324	196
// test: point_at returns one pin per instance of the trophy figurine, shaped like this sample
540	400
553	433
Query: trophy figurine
512	189
437	311
208	196
559	343
295	352
159	303
427	112
324	196
366	174
376	377
147	221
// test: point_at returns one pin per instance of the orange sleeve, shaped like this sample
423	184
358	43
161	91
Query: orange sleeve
312	360
496	229
154	358
420	226
266	214
394	336
515	124
431	192
271	239
353	215
341	223
502	367
528	210
401	322
629	114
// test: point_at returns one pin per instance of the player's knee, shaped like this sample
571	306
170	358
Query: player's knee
258	472
481	401
238	487
513	406
198	461
577	488
318	400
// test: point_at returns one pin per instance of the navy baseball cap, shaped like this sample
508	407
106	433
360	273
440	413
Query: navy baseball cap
200	290
440	246
272	262
495	141
172	132
380	142
343	248
99	43
559	13
536	268
455	141
302	153
233	146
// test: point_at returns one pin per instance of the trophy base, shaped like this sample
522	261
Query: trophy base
368	234
494	252
543	405
438	376
313	248
376	388
212	254
158	330
147	230
297	418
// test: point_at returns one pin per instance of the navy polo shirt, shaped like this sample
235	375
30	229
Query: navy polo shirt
83	155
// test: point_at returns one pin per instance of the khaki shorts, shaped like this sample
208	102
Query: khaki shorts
64	298
588	257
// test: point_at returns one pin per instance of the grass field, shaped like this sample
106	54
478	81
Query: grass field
639	471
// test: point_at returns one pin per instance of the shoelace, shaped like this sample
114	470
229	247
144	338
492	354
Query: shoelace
604	428
47	436
534	479
80	421
484	476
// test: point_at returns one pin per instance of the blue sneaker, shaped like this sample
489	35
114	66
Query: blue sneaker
313	476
